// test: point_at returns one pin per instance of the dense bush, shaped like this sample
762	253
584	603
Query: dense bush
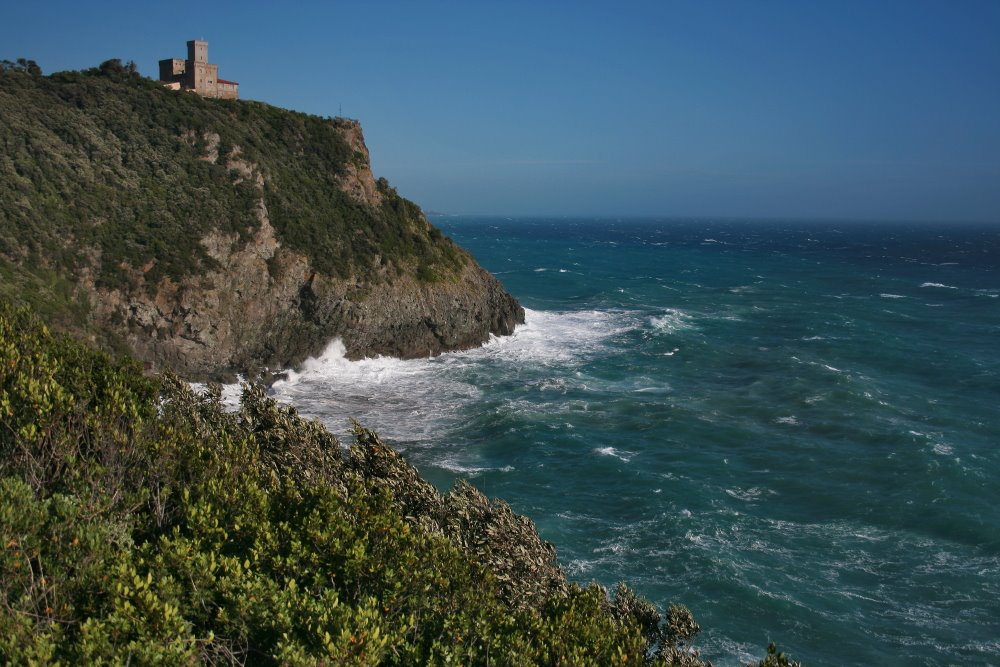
139	521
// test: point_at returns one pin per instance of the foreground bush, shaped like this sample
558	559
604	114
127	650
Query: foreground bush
140	522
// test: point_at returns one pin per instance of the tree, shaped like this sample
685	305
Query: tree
21	65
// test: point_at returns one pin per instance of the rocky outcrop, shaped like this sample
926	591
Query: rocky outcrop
266	307
358	180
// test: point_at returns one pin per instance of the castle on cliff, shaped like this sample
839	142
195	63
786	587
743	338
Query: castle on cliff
197	74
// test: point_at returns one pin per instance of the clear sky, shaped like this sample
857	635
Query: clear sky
753	108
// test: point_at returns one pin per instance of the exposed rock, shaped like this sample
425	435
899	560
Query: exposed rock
265	306
358	180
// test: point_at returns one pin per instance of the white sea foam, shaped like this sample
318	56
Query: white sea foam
790	420
232	393
469	470
939	285
580	566
672	321
556	337
749	495
418	400
611	451
942	449
892	296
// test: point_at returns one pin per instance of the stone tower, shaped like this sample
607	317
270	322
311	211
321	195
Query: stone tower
197	74
198	51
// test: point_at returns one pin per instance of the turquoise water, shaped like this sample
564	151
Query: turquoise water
791	428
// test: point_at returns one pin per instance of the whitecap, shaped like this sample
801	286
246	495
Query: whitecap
611	451
454	466
554	384
748	495
942	449
790	420
940	285
579	566
614	548
659	389
671	321
892	296
557	337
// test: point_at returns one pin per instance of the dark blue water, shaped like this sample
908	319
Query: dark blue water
794	429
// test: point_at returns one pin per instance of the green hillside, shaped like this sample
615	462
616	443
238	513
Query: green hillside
103	170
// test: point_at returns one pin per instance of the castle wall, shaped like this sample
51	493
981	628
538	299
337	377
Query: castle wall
204	78
171	69
197	74
228	90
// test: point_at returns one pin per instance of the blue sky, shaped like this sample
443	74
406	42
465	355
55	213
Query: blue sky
806	109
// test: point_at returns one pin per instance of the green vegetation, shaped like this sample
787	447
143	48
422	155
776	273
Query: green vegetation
140	522
109	174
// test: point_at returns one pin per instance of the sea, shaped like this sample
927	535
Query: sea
793	428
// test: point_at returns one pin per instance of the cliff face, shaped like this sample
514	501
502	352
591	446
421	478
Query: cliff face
219	236
267	306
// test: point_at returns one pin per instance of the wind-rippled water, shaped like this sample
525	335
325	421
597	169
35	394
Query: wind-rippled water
794	429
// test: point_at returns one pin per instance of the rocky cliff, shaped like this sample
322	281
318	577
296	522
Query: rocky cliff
214	237
267	306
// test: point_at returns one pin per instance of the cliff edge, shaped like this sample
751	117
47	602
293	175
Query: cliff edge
219	236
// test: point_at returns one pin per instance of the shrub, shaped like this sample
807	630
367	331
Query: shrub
141	521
